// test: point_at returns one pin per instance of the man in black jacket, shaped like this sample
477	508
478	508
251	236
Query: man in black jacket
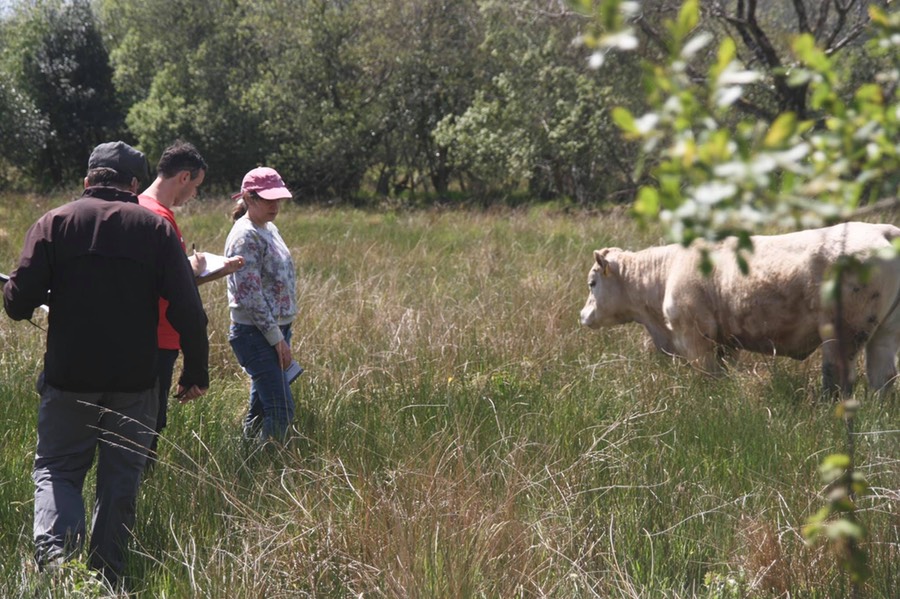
101	263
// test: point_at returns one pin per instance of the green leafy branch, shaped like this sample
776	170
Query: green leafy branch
716	174
837	522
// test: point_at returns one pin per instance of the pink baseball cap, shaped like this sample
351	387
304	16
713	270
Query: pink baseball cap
266	182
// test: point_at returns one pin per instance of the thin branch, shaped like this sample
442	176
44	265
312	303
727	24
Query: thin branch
841	21
762	40
851	36
823	19
802	20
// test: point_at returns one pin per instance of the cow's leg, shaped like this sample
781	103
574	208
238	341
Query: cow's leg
700	351
831	370
726	356
881	354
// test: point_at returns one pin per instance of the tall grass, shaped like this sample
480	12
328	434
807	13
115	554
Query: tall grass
459	435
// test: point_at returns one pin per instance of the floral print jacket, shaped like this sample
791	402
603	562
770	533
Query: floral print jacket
263	292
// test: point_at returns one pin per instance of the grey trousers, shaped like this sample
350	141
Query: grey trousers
72	427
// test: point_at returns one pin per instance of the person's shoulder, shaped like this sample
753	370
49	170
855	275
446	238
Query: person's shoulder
244	226
139	216
138	210
243	232
148	202
155	206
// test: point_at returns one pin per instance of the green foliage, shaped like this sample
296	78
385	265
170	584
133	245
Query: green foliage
417	95
72	580
541	121
728	586
837	522
311	99
397	97
60	73
431	62
23	132
186	68
714	179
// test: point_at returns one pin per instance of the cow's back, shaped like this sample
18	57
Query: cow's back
777	306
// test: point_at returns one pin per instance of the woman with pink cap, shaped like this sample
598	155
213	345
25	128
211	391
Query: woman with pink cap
262	301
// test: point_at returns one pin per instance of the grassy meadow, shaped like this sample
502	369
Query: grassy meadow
459	434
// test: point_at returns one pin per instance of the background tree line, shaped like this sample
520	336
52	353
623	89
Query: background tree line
348	98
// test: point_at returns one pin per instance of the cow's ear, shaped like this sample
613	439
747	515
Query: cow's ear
602	262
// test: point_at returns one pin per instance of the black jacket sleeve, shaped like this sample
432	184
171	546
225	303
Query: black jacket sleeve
185	312
28	283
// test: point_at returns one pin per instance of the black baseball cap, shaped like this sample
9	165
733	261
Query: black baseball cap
122	158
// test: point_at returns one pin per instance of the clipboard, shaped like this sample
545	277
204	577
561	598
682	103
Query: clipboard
214	264
293	371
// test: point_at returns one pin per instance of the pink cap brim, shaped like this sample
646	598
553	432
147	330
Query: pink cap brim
276	193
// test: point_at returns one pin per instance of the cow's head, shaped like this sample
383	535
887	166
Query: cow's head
602	289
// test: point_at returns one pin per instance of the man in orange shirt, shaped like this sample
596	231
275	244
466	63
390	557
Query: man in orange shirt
179	172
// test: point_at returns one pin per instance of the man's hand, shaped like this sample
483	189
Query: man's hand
198	262
185	395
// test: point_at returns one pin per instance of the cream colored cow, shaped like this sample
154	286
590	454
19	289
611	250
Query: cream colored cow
776	308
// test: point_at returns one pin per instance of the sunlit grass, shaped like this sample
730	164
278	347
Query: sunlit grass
460	435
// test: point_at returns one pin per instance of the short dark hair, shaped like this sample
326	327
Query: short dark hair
180	156
109	177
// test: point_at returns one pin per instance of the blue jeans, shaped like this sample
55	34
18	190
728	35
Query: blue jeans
271	404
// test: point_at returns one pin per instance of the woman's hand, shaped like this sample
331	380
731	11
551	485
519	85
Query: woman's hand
233	264
284	354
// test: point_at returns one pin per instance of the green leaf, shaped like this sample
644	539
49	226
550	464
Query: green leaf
610	14
829	290
727	53
806	50
583	7
870	94
781	130
859	485
647	203
819	517
844	529
811	532
688	17
837	460
798	77
878	16
625	120
843	505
